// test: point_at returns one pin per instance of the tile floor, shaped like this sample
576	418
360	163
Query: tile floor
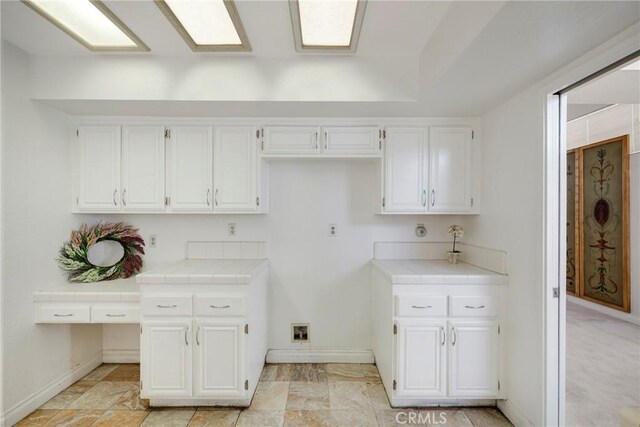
349	395
603	367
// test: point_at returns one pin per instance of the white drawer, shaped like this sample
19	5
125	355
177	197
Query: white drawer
421	306
477	306
115	314
167	305
61	313
220	306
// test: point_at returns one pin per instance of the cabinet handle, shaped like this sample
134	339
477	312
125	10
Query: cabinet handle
316	140
474	307
197	336
453	339
116	315
208	194
219	306
433	197
62	315
215	198
326	140
421	306
115	203
424	197
442	334
186	336
124	195
166	306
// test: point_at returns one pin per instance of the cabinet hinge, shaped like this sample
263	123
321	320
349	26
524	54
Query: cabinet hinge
498	385
257	201
246	328
167	201
141	385
395	385
380	145
167	133
257	133
383	202
556	292
472	202
77	200
395	329
473	134
140	329
246	384
498	329
77	132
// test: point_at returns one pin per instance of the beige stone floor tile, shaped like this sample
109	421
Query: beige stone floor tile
337	372
102	396
125	372
340	418
82	386
121	419
379	397
486	417
168	418
100	372
276	372
370	373
61	400
74	418
260	419
131	401
309	372
349	395
38	418
308	396
215	418
271	396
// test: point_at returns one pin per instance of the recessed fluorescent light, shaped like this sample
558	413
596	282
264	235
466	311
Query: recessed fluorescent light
207	25
90	23
330	25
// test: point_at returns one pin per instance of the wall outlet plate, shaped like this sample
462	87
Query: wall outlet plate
299	332
333	230
232	228
421	230
153	240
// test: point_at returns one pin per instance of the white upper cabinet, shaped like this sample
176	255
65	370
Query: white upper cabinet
352	140
421	359
143	168
99	169
220	349
405	170
474	359
190	163
235	170
290	140
450	157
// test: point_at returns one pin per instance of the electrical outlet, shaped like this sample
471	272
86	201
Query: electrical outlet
153	240
333	230
232	229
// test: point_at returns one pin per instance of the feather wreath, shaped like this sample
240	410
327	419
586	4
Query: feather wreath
74	254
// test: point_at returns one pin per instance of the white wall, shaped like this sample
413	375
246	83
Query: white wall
36	167
609	123
316	279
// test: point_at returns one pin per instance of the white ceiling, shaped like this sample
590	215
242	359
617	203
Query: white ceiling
415	58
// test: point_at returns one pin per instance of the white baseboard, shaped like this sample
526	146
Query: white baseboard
627	317
514	414
40	397
120	356
320	356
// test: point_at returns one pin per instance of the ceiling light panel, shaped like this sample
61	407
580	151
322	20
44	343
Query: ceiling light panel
330	25
207	25
89	22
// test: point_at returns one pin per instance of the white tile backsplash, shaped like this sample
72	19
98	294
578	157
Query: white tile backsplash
489	259
226	250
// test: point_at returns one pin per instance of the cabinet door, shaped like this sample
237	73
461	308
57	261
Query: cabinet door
220	366
143	172
235	170
191	168
351	140
421	359
405	170
165	359
99	168
290	140
450	169
474	359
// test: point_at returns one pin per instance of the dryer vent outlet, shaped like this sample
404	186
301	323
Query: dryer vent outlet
300	332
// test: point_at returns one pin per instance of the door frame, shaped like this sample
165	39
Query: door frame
552	94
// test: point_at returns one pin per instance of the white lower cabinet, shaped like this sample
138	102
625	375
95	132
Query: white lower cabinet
219	358
166	352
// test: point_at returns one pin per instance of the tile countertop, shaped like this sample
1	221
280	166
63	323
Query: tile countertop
418	271
194	271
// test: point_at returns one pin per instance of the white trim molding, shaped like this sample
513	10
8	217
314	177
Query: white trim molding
514	414
120	356
320	356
